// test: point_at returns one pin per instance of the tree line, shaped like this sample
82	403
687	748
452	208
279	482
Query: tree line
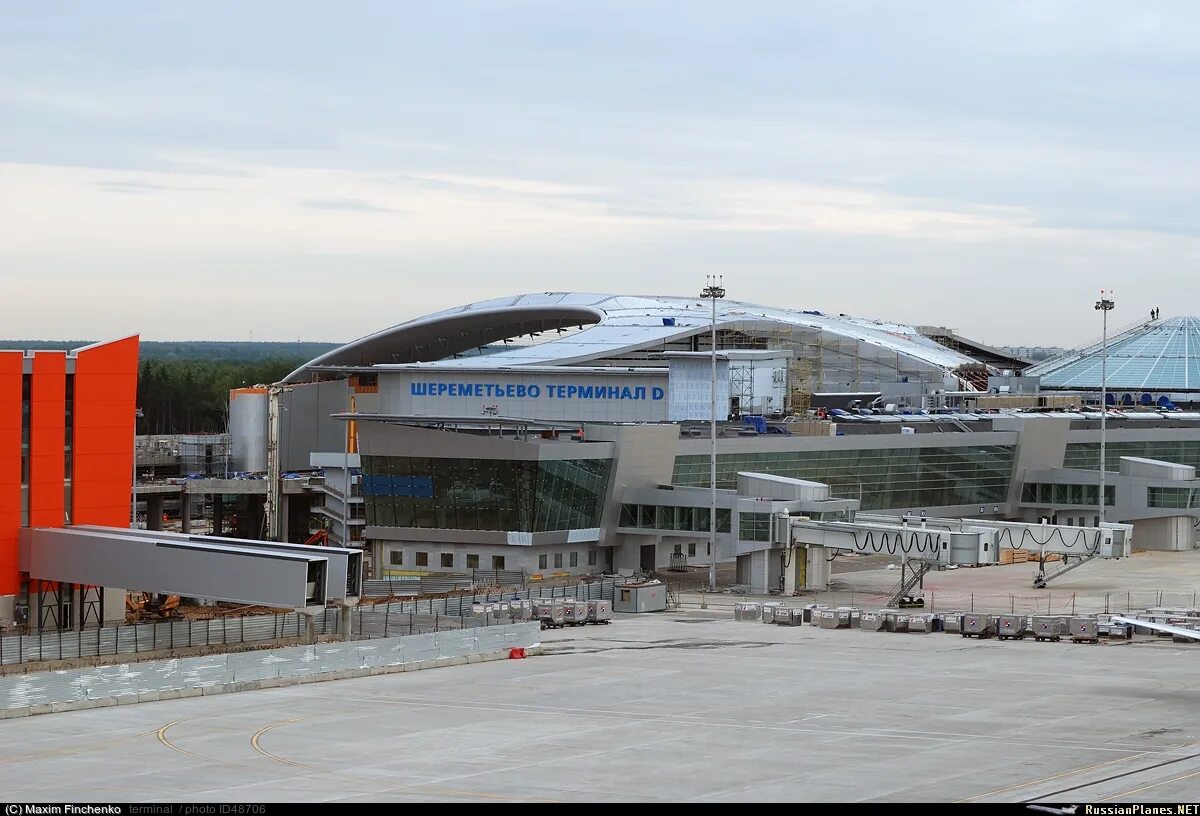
192	396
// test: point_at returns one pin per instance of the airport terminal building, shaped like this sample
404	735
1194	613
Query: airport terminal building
566	433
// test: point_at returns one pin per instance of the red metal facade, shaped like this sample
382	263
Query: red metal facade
105	402
47	437
10	468
105	399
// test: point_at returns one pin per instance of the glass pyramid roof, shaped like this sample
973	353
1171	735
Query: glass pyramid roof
1162	356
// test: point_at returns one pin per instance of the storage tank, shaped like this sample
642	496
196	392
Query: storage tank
248	429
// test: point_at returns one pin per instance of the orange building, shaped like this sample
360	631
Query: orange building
66	457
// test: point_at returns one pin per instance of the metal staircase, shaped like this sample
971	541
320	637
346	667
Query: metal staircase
1043	578
913	576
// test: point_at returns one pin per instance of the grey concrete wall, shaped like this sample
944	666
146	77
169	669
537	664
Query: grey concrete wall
1174	534
643	456
48	692
1042	444
515	557
305	423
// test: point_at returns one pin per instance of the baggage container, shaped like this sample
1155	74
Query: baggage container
920	623
747	611
952	622
978	625
873	621
853	616
599	611
782	615
1049	627
1084	630
1010	627
552	615
768	611
897	621
575	613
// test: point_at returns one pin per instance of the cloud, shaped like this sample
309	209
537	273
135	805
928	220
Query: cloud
347	204
147	187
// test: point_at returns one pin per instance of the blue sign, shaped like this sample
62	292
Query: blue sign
550	392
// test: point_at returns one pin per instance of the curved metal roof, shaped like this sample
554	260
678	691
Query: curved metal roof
612	324
1158	356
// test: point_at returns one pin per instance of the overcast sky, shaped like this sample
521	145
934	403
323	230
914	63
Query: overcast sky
284	170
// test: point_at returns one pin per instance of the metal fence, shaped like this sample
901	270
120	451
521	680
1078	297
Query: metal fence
383	587
1048	602
382	620
150	637
100	682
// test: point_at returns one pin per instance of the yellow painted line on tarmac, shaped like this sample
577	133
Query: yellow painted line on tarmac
1052	778
1148	787
162	737
257	746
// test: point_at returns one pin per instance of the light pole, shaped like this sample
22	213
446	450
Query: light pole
138	413
1104	305
714	292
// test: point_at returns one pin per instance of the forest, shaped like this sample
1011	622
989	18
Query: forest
192	396
183	386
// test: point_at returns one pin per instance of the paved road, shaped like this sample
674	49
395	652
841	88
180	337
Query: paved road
674	707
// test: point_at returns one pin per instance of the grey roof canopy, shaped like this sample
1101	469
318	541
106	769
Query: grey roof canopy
607	325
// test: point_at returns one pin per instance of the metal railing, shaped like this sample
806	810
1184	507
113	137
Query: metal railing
151	637
415	616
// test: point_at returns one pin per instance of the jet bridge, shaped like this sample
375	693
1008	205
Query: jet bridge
810	545
224	570
344	574
1074	545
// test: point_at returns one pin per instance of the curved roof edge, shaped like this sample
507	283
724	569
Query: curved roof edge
611	324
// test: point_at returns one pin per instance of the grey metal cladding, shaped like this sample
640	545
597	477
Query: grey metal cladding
193	569
345	564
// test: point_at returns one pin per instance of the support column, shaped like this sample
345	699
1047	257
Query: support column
285	509
154	511
760	582
217	507
817	569
185	512
796	571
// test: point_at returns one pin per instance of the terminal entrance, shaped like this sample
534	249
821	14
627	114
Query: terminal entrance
647	557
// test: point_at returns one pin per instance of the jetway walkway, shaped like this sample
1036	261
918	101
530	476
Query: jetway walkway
916	542
1108	540
1166	628
344	574
942	542
224	569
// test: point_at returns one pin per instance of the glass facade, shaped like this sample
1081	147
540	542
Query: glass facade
1086	455
657	517
1080	495
885	479
754	526
485	494
1173	497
